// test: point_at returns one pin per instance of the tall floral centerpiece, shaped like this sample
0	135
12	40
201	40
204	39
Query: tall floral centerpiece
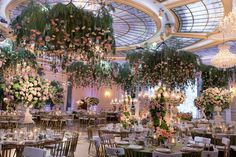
214	99
28	91
127	119
158	109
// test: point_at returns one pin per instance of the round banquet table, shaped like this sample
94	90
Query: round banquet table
122	134
216	141
19	146
147	152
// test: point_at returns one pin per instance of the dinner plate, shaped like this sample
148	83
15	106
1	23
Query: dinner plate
163	150
198	145
190	149
122	142
135	147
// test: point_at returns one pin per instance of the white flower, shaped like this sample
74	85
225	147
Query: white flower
30	97
35	83
39	94
44	98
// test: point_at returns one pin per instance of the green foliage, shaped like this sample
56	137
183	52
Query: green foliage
56	93
213	77
64	27
174	68
82	74
33	18
18	56
124	76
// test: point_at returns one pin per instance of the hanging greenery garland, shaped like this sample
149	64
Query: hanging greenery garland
213	77
65	32
173	68
12	60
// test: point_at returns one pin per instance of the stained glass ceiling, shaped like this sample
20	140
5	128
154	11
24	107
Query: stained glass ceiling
131	26
202	16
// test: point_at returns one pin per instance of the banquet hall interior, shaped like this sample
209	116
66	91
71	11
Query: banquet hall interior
117	78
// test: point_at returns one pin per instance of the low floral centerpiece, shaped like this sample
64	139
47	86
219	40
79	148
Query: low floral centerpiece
213	98
185	116
92	101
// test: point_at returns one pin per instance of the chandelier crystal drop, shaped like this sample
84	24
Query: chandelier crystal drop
224	58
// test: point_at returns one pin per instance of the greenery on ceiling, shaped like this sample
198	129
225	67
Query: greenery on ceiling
213	77
64	27
67	31
176	69
84	75
11	57
79	38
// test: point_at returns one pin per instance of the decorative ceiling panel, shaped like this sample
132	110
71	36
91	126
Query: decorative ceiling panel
202	16
131	26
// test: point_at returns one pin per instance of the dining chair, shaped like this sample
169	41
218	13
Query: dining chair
114	152
33	152
158	154
8	150
90	132
73	144
210	153
97	143
61	149
226	142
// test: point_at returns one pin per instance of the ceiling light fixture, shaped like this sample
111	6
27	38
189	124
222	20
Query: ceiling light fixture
228	23
224	59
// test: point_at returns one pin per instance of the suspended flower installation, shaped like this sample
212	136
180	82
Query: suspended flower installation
175	69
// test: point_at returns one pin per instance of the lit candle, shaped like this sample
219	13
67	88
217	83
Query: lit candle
173	140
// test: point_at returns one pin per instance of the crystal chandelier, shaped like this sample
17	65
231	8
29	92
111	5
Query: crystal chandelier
224	58
228	23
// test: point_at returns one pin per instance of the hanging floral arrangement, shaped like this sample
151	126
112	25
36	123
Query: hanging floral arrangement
185	116
175	69
65	32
